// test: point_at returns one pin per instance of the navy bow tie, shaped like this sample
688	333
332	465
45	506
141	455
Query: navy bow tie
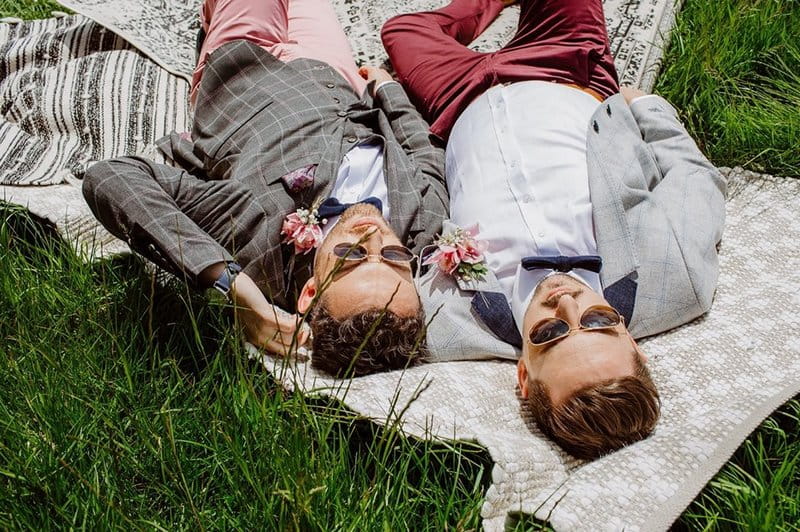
331	206
593	263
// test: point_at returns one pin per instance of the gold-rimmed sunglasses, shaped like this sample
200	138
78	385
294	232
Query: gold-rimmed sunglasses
356	252
595	317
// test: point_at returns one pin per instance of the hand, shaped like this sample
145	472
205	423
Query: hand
630	93
265	325
371	73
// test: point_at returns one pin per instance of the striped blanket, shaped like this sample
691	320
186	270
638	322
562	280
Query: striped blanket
71	93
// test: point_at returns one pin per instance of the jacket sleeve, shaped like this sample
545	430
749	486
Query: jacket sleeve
182	223
412	132
691	192
674	149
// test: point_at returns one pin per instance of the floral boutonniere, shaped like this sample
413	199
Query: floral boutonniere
460	253
303	228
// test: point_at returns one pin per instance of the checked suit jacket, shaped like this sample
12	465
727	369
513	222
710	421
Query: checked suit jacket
658	210
256	120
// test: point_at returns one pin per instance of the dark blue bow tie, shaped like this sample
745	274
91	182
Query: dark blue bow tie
331	206
593	263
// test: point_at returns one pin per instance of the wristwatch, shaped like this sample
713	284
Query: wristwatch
226	277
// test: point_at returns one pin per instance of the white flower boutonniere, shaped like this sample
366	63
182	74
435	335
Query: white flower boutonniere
303	228
460	253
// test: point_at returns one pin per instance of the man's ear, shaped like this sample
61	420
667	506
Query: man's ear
522	377
307	296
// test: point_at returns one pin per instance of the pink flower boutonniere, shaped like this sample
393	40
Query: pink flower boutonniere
460	253
303	228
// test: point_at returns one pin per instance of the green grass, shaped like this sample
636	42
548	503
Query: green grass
29	9
733	70
128	405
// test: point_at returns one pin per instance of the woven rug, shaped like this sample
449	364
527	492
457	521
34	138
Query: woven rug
72	92
718	376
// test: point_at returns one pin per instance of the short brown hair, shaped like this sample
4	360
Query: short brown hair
367	342
600	418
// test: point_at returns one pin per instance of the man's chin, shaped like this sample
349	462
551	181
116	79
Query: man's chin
555	281
360	210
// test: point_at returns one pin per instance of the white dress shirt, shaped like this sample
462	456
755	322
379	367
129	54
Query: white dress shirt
516	165
360	177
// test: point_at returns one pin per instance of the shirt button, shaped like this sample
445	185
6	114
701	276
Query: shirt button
330	85
526	198
541	234
341	113
351	139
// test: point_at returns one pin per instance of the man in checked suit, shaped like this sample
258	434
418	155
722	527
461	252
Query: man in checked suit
600	214
285	121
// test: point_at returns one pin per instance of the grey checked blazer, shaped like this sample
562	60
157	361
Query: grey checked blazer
256	120
659	210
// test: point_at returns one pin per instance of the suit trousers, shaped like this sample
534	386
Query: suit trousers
288	29
563	41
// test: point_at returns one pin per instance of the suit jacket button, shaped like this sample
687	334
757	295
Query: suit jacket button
595	126
330	85
351	139
341	113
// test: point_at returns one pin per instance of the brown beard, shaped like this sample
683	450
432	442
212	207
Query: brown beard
576	288
360	209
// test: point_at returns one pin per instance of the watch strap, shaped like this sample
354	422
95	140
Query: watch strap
226	277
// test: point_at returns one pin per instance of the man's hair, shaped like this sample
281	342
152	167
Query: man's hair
367	342
599	418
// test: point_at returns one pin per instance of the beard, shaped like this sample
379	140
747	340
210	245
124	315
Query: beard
360	209
558	280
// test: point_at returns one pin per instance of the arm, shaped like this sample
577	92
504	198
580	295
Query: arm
408	126
673	147
690	195
188	227
412	133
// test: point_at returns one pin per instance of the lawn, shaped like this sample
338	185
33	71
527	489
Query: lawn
125	404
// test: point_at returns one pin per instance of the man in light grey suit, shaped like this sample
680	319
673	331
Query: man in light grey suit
285	124
600	214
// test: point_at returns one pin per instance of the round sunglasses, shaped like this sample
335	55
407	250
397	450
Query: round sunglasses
357	252
595	317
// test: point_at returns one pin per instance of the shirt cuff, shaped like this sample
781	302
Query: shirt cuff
643	98
382	83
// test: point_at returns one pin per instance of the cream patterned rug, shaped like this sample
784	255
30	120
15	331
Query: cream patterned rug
718	376
72	92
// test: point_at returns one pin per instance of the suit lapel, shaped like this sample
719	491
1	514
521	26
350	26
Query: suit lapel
489	303
622	296
615	242
607	190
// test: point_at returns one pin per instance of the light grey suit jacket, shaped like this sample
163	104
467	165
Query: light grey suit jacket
659	210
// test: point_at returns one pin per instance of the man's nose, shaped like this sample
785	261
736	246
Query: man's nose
567	310
373	241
